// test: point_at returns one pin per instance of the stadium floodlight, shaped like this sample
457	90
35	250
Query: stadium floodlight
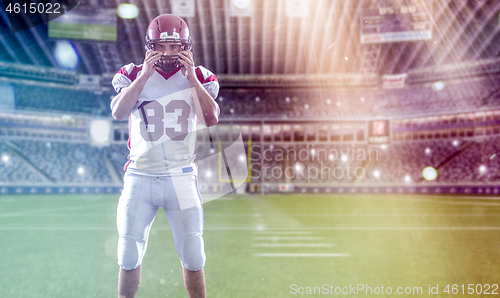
127	11
338	104
208	174
257	99
5	158
362	99
455	143
427	151
313	151
328	101
287	99
438	86
80	170
376	174
482	169
306	106
344	158
100	132
331	157
242	158
429	173
65	55
407	178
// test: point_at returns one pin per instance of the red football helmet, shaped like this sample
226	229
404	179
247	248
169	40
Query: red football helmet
168	28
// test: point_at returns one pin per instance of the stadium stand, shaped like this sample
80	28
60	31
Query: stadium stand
13	169
66	162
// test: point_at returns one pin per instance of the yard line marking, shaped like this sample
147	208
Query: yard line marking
55	228
397	215
282	232
394	228
286	238
254	229
46	210
292	244
472	203
298	255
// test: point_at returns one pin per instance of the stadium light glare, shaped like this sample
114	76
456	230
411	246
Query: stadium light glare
306	106
287	99
127	11
100	132
338	104
5	158
65	55
383	146
438	86
482	169
313	151
427	151
362	99
376	174
455	143
242	158
231	111
48	144
407	178
344	158
80	170
208	174
328	101
257	99
331	157
429	173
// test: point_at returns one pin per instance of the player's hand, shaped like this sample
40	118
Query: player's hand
149	67
187	62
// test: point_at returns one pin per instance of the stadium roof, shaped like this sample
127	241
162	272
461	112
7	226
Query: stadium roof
270	42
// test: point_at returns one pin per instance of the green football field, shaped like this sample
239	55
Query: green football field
262	246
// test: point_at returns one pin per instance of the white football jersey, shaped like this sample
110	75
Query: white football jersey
162	136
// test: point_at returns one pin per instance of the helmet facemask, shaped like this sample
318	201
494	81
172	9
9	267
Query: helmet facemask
168	63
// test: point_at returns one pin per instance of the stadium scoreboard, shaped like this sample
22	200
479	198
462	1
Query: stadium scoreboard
379	132
393	21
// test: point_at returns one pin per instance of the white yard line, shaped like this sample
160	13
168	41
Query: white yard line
293	244
276	229
301	255
286	238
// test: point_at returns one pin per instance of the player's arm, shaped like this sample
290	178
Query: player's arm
206	108
123	104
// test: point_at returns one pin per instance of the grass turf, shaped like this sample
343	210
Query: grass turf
258	246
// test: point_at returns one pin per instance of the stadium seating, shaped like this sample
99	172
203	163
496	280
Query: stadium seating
14	170
66	162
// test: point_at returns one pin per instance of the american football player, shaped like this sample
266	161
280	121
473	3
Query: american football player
163	98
